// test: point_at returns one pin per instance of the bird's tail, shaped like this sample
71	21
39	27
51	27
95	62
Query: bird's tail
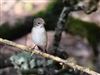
42	49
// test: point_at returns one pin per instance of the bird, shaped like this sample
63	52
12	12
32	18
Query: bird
39	35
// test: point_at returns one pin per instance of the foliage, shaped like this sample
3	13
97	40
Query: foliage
35	64
21	28
51	14
84	29
14	32
25	62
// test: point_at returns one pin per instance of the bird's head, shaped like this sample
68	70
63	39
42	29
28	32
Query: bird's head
38	22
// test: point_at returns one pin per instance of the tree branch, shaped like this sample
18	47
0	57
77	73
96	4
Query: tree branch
60	27
70	64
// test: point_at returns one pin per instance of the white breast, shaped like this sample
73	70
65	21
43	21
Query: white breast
39	36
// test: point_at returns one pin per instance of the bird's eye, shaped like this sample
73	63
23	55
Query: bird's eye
38	22
22	63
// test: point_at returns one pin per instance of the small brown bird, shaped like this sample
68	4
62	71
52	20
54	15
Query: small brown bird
39	35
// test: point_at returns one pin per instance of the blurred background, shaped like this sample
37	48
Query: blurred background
79	39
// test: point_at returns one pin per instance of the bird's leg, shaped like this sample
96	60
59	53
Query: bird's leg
45	50
33	48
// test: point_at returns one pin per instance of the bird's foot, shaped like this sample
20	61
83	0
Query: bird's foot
34	47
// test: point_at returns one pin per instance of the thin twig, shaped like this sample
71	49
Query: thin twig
72	65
